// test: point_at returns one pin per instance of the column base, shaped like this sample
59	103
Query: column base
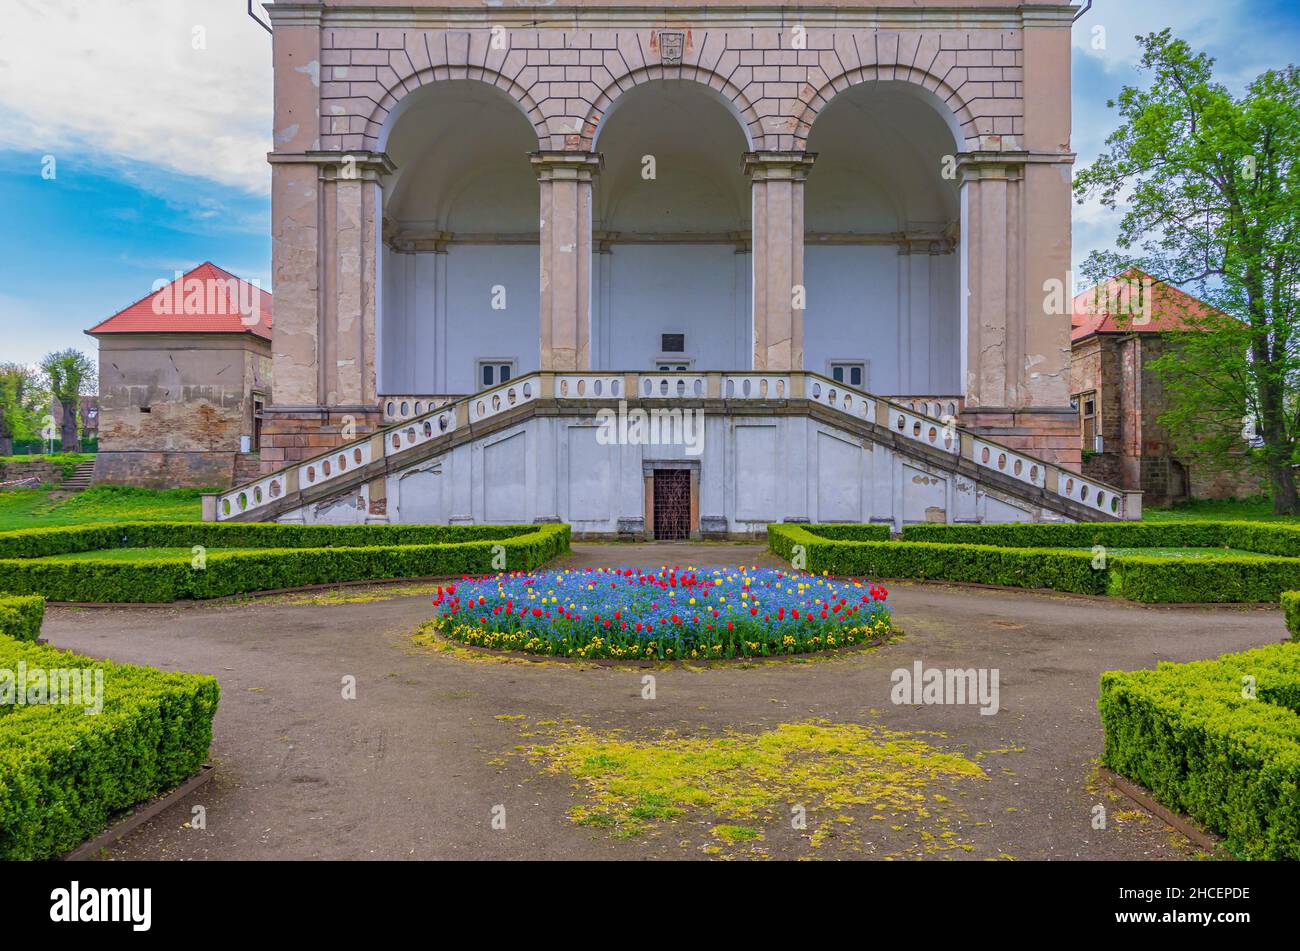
294	433
1050	433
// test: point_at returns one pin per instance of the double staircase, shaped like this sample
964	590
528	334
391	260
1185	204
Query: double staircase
1025	487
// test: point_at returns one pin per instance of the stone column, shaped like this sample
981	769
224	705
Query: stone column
327	212
565	180
1015	340
779	297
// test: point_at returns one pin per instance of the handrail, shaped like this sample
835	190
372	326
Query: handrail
942	435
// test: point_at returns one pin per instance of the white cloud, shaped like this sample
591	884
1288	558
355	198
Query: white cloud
123	80
1232	28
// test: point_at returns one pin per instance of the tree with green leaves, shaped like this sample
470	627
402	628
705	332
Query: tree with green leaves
70	375
1210	187
23	402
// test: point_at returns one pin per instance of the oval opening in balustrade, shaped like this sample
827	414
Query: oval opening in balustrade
311	470
1069	487
428	429
984	455
730	389
902	423
1002	462
275	488
257	494
780	389
357	454
916	429
406	409
582	387
528	391
1018	467
564	387
596	387
391	407
343	463
831	396
482	409
1083	492
762	388
681	387
1033	473
1101	499
325	469
419	407
745	387
397	441
952	409
410	435
442	422
614	386
511	396
225	506
817	390
243	501
496	402
933	434
1114	504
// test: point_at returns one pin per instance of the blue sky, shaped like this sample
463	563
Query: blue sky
157	115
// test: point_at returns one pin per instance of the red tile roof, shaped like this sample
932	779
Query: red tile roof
206	300
1119	306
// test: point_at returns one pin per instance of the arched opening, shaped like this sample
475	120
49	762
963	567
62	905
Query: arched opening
460	292
881	262
670	223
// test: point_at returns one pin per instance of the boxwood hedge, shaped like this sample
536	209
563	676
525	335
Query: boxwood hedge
1291	611
21	616
1022	556
64	773
291	556
1218	740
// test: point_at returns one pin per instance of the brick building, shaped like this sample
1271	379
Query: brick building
1117	332
184	375
826	226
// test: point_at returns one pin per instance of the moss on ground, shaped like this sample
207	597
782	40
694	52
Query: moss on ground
813	784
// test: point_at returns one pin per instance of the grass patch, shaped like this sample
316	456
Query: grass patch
1230	510
37	508
749	788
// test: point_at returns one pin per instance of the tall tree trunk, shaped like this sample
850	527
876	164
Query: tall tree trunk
1285	501
71	443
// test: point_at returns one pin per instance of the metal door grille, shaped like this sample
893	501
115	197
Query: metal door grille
672	488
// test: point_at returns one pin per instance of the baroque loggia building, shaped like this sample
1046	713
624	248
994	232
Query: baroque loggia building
835	233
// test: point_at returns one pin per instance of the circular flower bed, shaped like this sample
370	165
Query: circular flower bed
669	614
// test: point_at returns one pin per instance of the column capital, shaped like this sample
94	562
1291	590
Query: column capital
358	164
552	166
778	166
1004	165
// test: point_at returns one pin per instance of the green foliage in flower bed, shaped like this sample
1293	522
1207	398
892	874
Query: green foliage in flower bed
286	556
1218	740
64	772
669	614
1040	556
21	616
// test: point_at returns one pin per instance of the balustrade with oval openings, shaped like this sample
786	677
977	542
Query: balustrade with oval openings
398	409
1098	497
574	386
673	387
752	387
843	398
923	429
322	469
251	497
1003	460
503	398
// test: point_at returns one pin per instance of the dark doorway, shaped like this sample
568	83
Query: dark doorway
672	504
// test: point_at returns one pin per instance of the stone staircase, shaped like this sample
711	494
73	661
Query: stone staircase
927	467
80	479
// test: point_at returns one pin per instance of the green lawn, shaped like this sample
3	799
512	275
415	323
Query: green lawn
1252	511
36	508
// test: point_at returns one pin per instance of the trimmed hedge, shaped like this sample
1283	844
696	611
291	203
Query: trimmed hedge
295	556
21	616
1291	611
64	774
986	564
1192	735
1020	555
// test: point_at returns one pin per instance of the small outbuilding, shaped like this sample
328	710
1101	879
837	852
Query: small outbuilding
184	375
